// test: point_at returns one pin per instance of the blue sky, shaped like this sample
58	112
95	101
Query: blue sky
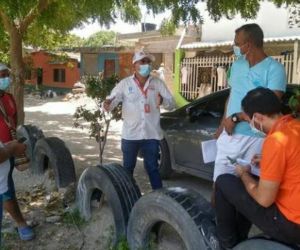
273	21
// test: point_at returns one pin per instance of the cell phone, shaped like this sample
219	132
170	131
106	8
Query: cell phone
232	161
22	139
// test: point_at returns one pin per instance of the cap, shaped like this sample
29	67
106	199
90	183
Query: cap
3	67
141	55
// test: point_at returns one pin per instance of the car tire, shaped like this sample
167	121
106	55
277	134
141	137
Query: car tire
186	211
52	151
119	188
261	244
165	166
32	134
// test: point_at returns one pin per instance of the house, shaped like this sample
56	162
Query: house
203	67
118	58
107	59
56	71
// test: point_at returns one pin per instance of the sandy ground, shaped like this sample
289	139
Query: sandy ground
54	117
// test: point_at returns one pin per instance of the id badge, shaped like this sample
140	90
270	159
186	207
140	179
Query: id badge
147	108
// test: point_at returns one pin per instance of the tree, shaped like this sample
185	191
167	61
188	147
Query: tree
167	27
98	88
27	18
21	19
50	39
4	46
100	38
246	8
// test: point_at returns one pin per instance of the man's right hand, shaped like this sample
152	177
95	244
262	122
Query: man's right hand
219	131
256	159
229	125
106	103
15	148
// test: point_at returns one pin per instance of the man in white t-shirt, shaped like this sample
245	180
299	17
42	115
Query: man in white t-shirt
161	71
141	95
7	151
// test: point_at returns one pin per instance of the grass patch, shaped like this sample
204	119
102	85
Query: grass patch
8	237
5	248
121	245
73	218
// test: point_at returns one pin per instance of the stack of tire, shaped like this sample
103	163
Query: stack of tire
48	152
137	218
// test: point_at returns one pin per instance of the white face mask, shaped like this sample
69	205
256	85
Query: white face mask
255	130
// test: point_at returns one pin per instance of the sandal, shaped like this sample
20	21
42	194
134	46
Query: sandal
26	233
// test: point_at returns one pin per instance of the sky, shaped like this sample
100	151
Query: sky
273	21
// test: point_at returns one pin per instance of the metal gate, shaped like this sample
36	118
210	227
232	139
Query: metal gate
199	75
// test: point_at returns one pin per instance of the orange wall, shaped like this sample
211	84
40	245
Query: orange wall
41	59
126	68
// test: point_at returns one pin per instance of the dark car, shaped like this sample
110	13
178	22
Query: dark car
185	129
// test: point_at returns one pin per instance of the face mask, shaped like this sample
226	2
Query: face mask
255	130
145	70
4	83
237	51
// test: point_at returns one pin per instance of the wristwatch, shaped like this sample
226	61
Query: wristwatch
235	118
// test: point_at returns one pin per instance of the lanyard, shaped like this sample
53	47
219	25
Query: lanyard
4	115
144	92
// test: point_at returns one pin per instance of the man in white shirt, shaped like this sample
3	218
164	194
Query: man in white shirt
141	96
161	71
6	152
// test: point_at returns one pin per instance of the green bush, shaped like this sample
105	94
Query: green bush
98	88
294	101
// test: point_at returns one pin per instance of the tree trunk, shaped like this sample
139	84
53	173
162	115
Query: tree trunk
17	71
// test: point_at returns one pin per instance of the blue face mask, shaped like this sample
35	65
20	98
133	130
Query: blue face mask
4	83
145	70
255	130
237	51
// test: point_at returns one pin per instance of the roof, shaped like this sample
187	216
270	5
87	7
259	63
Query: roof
198	45
69	55
105	48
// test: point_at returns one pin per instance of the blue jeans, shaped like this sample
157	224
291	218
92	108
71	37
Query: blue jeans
10	194
236	211
1	215
150	151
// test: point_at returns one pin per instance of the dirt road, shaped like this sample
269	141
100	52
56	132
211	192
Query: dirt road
54	117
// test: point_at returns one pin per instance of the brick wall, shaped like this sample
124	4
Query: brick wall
47	63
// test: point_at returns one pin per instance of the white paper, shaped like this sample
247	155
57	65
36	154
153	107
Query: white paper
209	150
254	169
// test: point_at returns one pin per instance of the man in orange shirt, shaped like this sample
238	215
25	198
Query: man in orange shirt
272	203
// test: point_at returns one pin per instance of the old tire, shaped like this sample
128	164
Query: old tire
52	152
165	166
186	211
261	244
119	189
32	134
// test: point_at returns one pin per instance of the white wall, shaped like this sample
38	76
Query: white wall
273	21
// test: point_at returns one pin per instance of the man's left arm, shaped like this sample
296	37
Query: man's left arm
264	192
166	98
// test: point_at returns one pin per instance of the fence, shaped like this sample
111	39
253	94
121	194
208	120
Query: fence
204	75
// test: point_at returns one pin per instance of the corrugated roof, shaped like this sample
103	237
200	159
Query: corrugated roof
199	45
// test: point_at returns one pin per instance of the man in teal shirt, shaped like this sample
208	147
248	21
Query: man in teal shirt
252	69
